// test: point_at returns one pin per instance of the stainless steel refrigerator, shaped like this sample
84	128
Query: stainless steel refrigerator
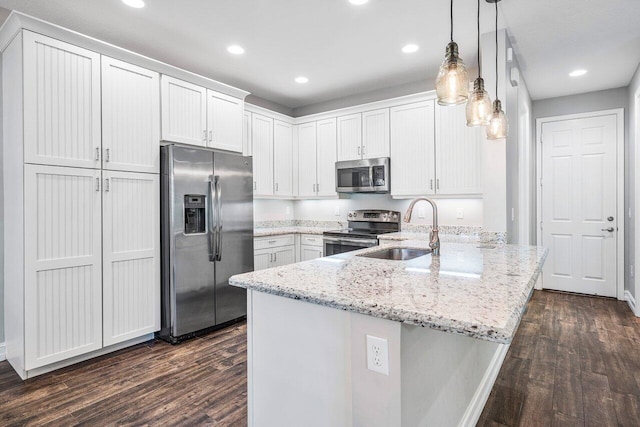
206	237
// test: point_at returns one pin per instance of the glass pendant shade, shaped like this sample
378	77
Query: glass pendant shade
498	126
452	84
478	105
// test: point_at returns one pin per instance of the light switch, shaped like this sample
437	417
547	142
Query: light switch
460	213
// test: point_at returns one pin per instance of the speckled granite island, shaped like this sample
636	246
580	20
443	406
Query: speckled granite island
448	322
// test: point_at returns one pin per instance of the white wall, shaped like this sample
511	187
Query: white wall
633	157
325	210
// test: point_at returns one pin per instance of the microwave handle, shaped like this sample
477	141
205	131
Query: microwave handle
371	176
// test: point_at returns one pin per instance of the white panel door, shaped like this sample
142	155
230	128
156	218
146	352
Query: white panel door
307	159
63	271
262	136
262	259
579	205
131	255
247	148
184	112
282	158
283	256
350	137
458	152
308	253
130	117
225	116
61	103
375	134
326	149
412	149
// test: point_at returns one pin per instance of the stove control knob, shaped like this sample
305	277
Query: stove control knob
385	216
395	216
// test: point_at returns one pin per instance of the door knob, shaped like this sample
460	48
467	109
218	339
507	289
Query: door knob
610	218
610	229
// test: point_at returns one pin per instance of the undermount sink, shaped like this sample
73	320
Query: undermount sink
397	254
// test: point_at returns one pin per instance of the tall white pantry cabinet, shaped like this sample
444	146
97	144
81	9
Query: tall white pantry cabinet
81	162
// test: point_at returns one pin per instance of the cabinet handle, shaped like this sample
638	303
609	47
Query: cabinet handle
254	186
204	135
430	184
271	242
107	156
358	151
106	185
275	257
438	184
97	154
276	187
97	184
317	188
210	136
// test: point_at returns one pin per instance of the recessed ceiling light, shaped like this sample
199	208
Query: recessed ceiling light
358	2
302	80
410	48
134	3
235	49
578	73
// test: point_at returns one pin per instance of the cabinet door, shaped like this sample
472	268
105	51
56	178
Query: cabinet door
308	253
283	256
184	112
412	149
247	146
458	152
350	137
262	135
326	158
225	115
131	255
282	158
63	271
130	117
262	259
375	134
61	103
307	159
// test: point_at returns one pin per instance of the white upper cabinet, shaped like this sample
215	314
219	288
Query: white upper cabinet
458	153
262	136
62	263
61	103
412	149
282	158
375	134
131	255
130	117
307	159
326	152
184	112
247	145
350	137
224	124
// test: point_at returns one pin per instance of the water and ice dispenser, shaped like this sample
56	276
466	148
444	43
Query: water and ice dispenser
195	214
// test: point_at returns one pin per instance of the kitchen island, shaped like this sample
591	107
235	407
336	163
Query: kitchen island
446	323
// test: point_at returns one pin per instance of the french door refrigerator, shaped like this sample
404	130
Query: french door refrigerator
206	237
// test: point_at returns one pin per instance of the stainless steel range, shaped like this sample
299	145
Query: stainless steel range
364	228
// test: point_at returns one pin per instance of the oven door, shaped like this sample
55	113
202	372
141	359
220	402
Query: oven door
339	245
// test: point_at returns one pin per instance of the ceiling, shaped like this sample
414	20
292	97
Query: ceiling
345	49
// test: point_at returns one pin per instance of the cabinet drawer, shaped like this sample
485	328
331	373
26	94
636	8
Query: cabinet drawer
311	240
273	241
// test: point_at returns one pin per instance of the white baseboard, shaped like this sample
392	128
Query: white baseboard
3	352
632	303
474	410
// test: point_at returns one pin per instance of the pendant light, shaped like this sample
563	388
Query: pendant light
498	126
479	104
452	83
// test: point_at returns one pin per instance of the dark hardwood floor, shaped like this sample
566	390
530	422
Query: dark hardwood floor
575	361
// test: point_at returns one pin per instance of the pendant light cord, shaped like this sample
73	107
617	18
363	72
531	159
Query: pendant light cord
496	50
451	17
479	58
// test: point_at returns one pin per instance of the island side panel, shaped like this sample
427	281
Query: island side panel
446	378
299	363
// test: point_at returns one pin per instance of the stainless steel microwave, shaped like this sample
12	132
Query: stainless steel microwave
363	176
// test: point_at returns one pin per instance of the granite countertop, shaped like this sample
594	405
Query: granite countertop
279	231
475	290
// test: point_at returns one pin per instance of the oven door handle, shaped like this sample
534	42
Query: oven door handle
359	242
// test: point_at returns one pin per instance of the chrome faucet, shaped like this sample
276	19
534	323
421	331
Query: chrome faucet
434	239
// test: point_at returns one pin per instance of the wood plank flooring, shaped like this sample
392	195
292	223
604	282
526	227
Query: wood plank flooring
575	361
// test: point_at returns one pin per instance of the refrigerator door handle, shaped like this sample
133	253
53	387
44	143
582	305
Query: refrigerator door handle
212	222
218	189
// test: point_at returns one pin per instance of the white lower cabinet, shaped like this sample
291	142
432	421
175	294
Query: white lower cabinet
131	254
311	247
274	251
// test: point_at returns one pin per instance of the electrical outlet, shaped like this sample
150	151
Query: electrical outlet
336	210
460	213
421	212
377	355
288	210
